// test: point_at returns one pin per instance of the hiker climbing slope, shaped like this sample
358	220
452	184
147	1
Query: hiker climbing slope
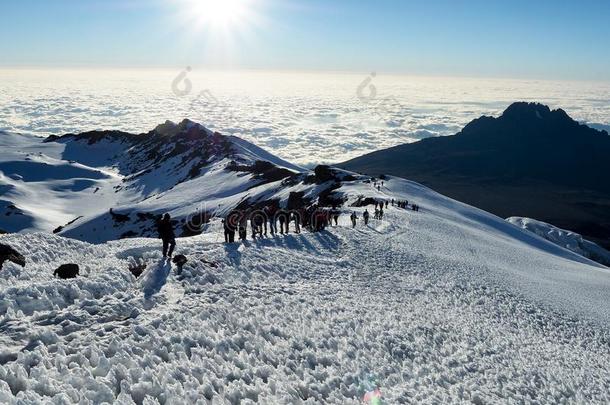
354	217
365	216
167	235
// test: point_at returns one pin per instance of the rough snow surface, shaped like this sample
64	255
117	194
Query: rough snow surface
566	239
445	305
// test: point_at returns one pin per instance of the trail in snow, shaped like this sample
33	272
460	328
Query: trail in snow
444	305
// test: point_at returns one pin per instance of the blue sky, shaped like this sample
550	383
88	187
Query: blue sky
525	39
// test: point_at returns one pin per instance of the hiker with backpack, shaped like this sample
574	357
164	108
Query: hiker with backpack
231	223
167	235
256	223
365	216
354	217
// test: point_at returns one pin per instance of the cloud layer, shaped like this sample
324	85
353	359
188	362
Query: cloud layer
306	118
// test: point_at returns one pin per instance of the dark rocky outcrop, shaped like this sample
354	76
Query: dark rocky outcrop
137	269
9	254
67	271
262	170
179	261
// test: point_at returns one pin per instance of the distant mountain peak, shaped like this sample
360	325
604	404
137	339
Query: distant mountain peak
170	128
525	112
523	108
530	161
527	119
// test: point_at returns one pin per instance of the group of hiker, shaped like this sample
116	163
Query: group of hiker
405	205
378	185
264	221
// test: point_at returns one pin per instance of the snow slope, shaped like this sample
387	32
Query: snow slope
104	185
566	239
445	305
40	189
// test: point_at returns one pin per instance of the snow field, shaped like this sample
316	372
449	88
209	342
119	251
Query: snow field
448	305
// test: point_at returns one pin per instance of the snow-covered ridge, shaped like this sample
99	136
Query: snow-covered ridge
103	185
566	239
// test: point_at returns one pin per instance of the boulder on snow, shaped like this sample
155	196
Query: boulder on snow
137	269
7	253
323	173
66	271
179	261
364	201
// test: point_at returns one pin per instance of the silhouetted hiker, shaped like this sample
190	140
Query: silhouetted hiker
392	202
386	204
365	216
336	214
264	225
376	214
281	217
166	233
297	221
256	222
243	226
231	222
320	220
354	217
270	212
381	212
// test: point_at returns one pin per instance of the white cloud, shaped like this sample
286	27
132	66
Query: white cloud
304	118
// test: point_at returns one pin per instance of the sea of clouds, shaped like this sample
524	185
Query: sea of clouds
306	118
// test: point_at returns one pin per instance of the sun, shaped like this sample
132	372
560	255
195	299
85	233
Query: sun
220	14
216	31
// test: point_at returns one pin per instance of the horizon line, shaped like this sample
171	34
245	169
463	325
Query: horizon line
194	67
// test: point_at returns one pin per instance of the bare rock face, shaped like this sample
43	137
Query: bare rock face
7	253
